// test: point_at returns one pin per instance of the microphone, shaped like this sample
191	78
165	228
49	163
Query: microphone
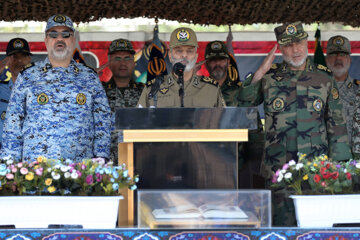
155	88
179	71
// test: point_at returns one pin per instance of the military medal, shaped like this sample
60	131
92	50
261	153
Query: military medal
317	104
42	99
335	93
278	104
81	99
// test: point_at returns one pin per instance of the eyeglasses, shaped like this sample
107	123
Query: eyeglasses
125	59
341	54
64	34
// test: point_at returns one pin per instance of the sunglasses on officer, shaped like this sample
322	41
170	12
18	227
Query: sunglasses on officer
55	34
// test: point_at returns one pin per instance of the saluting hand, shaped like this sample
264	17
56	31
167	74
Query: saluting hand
265	66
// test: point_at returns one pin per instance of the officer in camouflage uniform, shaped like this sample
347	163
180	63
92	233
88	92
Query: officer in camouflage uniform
121	90
18	55
58	108
302	108
338	60
199	91
250	153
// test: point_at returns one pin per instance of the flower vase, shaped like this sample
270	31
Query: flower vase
41	211
323	211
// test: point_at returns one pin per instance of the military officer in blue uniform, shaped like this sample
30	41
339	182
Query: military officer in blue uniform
58	108
18	55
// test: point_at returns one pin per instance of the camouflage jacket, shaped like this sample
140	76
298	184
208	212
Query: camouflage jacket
59	113
121	98
348	90
229	90
200	91
303	113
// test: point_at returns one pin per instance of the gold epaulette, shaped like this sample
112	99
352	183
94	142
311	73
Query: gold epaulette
151	82
209	80
27	66
323	68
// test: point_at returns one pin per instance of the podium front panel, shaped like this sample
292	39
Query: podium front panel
186	165
186	118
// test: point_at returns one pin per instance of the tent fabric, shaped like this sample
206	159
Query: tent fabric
218	12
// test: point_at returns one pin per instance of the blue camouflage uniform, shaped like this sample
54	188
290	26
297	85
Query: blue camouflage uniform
6	84
57	113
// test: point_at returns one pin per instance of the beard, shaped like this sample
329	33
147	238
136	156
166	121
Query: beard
218	72
339	68
297	63
189	64
60	54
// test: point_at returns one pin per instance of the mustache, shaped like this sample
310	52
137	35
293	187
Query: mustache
60	42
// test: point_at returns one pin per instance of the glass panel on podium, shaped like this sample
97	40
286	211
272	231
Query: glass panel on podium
204	209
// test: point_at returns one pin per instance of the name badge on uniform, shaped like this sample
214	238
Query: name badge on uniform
81	99
278	104
317	104
42	99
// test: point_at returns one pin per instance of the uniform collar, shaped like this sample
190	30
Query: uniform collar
72	65
195	80
111	84
309	67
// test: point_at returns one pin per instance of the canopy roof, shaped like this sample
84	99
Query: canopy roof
218	12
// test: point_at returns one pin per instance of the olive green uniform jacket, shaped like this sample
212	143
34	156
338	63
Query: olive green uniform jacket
303	113
199	91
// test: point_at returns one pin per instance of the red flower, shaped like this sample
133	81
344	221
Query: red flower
348	175
317	178
335	175
322	162
323	184
328	166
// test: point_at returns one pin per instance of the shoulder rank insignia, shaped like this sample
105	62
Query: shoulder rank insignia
6	75
151	82
209	80
350	85
357	82
335	93
164	90
323	68
3	115
27	66
274	66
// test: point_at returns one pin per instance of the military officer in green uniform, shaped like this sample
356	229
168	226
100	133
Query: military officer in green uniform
250	153
199	91
302	108
121	90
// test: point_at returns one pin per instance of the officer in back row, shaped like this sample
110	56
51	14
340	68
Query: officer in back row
183	88
18	55
58	108
121	90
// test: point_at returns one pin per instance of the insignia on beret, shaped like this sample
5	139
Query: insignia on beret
121	43
349	85
291	29
278	104
183	35
335	93
18	44
317	105
164	90
338	41
81	99
59	18
42	99
209	80
216	46
3	115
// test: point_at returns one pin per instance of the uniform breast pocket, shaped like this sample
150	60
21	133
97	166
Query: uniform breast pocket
316	99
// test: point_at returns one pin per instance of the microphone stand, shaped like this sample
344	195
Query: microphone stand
179	71
155	88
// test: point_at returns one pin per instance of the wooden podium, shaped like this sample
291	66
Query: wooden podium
225	130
